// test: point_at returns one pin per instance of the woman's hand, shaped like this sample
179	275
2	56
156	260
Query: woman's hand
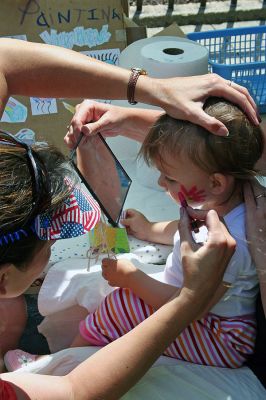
137	224
117	272
204	264
92	117
183	98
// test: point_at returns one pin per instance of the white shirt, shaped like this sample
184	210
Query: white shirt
240	298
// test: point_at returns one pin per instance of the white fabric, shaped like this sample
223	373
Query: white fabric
67	287
240	298
168	379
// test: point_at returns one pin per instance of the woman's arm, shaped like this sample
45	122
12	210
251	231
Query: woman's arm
255	199
114	369
34	69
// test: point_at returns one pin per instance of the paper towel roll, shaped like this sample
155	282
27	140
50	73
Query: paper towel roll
166	56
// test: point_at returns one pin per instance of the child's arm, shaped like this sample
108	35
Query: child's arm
140	227
123	273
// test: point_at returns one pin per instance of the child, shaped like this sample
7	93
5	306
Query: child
209	171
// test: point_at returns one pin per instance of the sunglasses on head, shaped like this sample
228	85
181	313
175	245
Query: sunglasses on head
39	178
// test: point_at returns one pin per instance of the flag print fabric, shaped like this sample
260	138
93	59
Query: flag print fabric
77	216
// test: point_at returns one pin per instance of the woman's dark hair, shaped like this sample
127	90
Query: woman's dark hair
16	196
234	155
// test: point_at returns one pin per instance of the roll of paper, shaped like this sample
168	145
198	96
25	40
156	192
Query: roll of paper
166	57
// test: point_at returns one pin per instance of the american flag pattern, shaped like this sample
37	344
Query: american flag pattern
78	215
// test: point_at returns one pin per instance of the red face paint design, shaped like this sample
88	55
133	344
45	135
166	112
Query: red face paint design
193	194
182	199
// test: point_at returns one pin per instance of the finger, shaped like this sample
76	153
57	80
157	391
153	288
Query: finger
93	128
69	140
199	215
210	123
184	227
126	222
106	262
238	95
250	99
130	212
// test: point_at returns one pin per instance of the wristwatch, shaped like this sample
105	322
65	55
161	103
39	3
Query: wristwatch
135	73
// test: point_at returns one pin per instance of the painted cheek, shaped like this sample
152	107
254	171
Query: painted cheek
193	194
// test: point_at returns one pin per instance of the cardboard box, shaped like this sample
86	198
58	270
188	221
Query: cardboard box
96	27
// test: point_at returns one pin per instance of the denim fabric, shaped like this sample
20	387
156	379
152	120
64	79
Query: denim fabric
32	341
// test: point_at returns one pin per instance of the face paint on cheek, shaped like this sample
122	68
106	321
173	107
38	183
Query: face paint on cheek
193	194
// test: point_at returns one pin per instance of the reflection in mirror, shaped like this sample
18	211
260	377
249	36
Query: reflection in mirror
103	175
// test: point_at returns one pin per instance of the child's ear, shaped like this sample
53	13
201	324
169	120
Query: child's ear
219	183
4	271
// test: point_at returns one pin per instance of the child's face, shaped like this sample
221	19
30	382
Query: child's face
181	175
17	281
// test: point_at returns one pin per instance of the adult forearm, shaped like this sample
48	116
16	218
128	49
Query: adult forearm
113	370
139	122
123	362
151	291
53	71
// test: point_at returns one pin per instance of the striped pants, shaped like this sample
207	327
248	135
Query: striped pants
212	340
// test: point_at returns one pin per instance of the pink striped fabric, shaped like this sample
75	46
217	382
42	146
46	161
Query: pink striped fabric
212	340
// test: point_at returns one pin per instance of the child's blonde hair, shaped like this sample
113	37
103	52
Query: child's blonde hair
234	155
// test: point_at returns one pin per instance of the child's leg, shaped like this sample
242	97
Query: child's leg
79	341
213	340
119	313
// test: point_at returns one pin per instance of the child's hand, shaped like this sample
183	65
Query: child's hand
137	224
117	272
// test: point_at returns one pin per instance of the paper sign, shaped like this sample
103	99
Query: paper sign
74	24
41	106
14	111
111	56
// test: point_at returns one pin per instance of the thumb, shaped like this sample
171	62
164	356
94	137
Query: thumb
125	222
130	213
94	127
195	213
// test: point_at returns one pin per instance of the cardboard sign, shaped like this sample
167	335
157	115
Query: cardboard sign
95	28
